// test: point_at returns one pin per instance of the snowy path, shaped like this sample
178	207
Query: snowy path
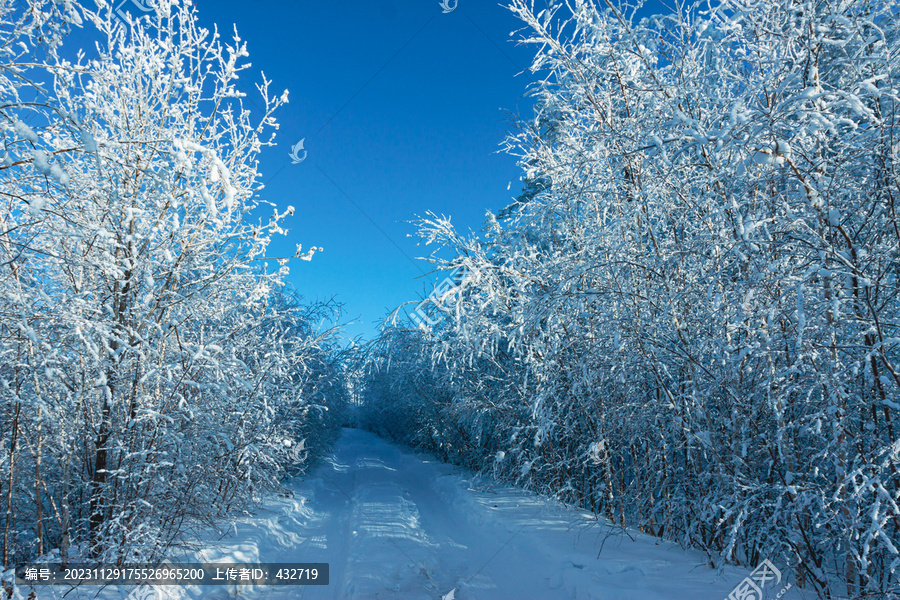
396	525
393	524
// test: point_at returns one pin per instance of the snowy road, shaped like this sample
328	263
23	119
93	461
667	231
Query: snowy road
392	524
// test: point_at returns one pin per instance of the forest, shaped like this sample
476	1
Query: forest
686	323
155	376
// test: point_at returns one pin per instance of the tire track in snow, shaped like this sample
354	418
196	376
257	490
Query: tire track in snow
392	524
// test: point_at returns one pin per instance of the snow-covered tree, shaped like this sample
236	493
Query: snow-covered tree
152	372
687	321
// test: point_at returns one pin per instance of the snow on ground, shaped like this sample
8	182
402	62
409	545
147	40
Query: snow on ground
393	524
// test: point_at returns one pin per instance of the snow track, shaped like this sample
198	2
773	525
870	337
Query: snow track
392	524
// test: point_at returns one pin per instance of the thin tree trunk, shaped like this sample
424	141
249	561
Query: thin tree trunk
38	499
10	514
98	480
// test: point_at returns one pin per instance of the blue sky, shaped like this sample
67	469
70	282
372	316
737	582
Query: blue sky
402	109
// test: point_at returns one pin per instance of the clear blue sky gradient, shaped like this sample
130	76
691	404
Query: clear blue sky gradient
402	109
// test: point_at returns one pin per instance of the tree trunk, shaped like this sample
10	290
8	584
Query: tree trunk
98	481
7	554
